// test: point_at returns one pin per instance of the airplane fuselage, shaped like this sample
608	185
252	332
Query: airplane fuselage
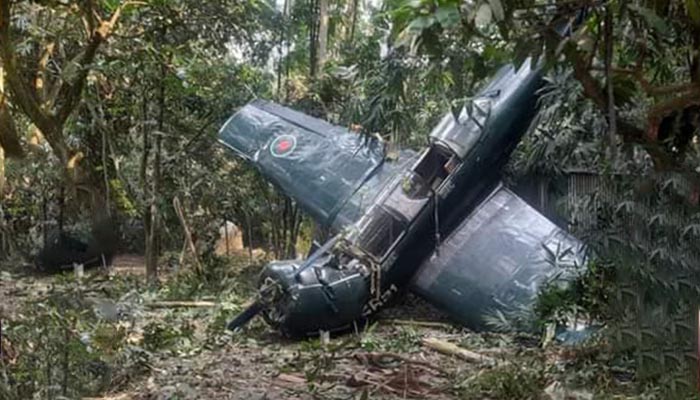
378	255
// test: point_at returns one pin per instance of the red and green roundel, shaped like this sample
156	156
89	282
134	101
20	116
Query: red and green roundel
283	145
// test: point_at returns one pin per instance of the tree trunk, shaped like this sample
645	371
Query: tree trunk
322	35
313	37
2	152
280	46
44	221
153	233
105	172
153	239
612	119
353	24
151	268
61	206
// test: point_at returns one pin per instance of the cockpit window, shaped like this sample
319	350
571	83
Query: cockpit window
460	133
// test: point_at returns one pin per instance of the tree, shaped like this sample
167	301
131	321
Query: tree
625	54
46	83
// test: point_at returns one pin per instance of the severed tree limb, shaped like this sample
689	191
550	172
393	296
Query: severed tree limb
426	324
451	349
188	235
182	304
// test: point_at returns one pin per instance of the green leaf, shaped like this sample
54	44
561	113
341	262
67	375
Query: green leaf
415	3
652	19
421	23
447	16
497	9
483	16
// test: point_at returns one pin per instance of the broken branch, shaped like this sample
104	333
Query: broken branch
188	235
182	304
425	324
451	349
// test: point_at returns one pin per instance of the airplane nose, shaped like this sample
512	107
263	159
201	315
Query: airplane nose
322	297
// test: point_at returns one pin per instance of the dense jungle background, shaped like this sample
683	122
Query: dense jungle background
109	112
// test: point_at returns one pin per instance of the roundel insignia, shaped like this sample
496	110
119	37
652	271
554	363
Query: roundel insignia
283	145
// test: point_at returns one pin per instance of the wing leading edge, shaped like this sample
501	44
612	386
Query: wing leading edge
498	259
318	164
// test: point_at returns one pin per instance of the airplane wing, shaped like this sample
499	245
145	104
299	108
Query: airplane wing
319	165
497	259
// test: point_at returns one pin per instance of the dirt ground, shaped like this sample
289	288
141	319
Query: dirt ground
387	360
257	371
23	282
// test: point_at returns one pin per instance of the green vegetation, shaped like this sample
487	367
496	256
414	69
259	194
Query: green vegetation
111	106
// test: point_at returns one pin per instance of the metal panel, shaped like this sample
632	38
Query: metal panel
507	103
497	259
317	164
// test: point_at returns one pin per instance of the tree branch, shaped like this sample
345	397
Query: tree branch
661	110
591	88
70	93
41	84
627	130
612	119
677	89
23	94
9	139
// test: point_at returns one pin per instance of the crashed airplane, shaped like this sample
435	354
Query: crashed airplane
436	222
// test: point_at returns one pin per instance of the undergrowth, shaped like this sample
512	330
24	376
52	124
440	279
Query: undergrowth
87	336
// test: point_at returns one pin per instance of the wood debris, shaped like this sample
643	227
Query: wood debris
454	350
